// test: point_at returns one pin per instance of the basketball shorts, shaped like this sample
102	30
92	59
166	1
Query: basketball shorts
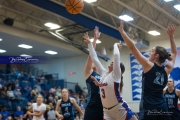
119	112
93	113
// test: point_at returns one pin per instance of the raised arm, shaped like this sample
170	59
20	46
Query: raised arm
88	66
170	64
93	55
140	58
116	64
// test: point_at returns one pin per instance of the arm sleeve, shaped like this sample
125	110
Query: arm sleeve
116	65
95	60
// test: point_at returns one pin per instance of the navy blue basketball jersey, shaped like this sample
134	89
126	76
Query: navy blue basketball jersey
93	97
171	99
67	109
153	83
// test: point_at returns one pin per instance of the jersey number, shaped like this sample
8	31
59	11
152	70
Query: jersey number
103	93
159	79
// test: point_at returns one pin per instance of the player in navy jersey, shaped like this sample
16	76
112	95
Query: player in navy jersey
154	78
94	109
172	95
66	104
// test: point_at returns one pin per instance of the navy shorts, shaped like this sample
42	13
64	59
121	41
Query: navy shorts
93	113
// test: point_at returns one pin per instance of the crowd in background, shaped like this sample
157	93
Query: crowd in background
18	90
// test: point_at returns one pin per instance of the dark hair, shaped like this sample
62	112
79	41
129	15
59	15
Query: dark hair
122	71
163	54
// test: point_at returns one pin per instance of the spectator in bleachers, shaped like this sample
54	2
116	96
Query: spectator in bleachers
38	87
25	75
4	113
18	115
35	91
17	84
18	94
56	99
26	86
9	118
53	90
11	84
31	97
51	113
10	93
58	92
3	92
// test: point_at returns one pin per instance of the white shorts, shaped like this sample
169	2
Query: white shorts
119	112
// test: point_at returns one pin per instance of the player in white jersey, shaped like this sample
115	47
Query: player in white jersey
38	109
114	106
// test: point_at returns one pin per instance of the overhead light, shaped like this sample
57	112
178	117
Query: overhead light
168	0
126	18
177	7
98	41
90	1
24	55
52	25
154	33
2	51
51	52
25	46
0	39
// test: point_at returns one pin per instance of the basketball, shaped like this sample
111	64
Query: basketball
74	6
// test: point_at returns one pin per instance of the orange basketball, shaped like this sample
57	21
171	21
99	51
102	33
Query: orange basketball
74	6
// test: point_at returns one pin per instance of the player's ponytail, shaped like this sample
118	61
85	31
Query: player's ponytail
122	71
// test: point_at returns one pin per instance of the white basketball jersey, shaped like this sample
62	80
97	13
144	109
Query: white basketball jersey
109	88
37	109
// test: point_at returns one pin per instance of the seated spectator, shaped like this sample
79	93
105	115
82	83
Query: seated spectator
9	118
17	94
35	91
31	97
11	84
52	90
10	93
38	87
56	99
58	92
4	113
51	113
17	84
18	115
3	92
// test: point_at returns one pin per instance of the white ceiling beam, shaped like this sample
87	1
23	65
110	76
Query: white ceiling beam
163	11
138	13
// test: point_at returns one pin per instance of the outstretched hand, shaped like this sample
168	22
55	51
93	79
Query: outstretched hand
171	29
96	33
95	80
119	45
121	29
86	38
